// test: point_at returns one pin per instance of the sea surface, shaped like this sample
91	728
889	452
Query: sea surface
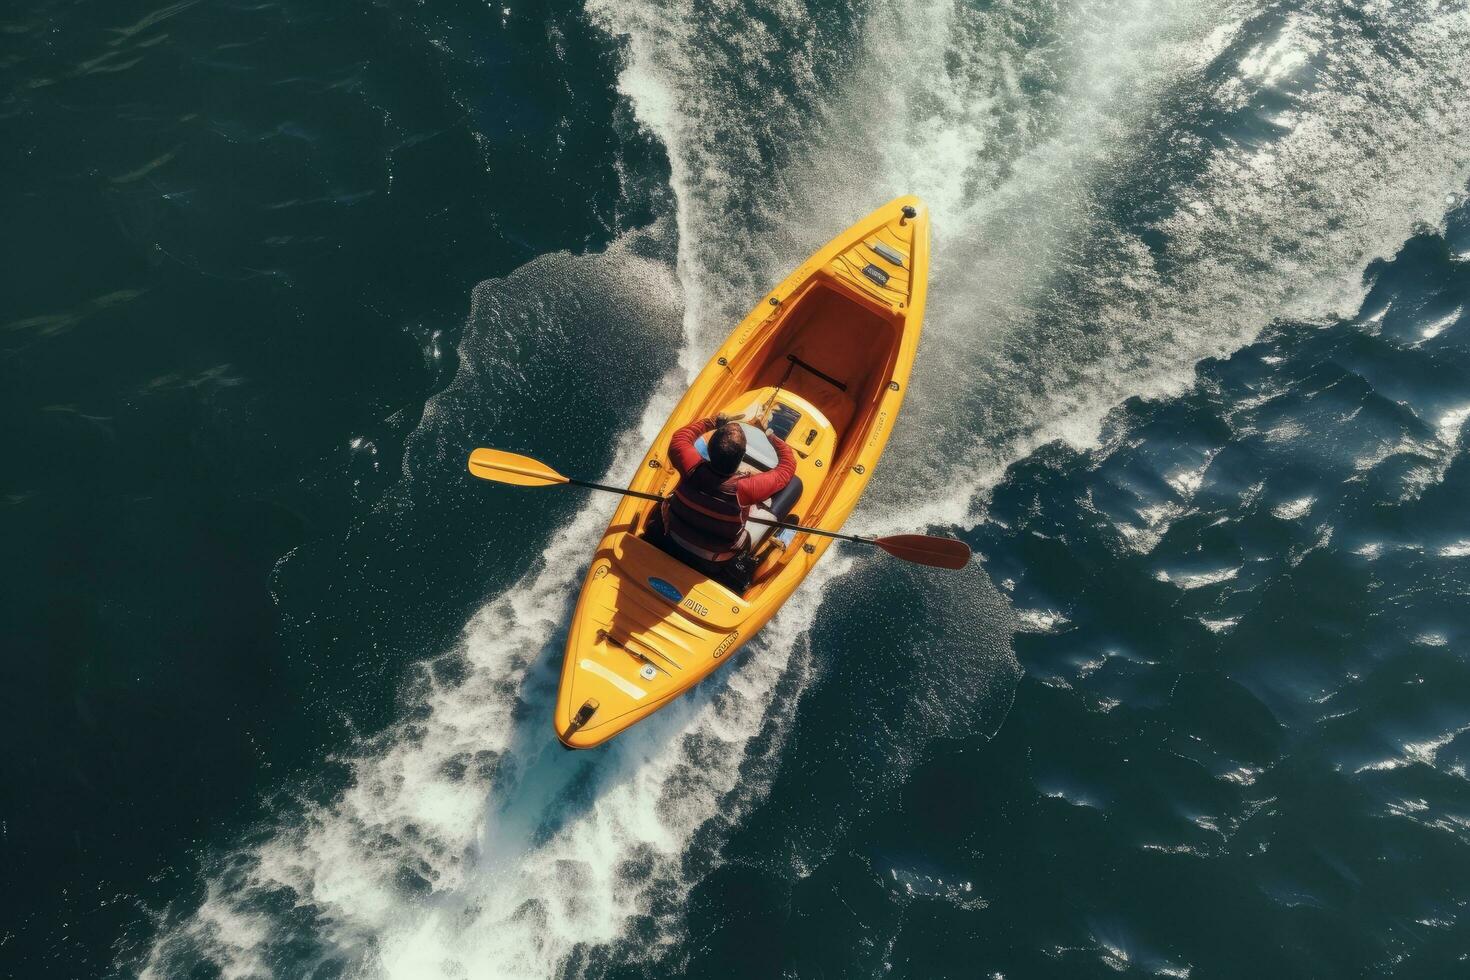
1195	384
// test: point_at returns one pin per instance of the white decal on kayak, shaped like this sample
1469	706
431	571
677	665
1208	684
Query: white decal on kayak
877	429
632	690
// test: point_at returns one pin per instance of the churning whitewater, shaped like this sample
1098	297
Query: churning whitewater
1118	190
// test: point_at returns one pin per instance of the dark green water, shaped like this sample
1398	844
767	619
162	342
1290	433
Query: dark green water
1193	384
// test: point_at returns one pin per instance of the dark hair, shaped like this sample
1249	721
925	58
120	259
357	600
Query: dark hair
727	447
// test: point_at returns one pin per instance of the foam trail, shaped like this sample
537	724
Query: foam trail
468	844
1119	189
1276	220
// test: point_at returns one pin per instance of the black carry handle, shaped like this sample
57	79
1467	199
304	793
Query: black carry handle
821	374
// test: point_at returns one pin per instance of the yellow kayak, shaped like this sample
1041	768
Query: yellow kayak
824	360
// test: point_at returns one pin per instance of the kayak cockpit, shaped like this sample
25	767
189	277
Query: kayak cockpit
811	437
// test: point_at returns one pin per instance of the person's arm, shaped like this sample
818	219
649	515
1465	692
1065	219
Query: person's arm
681	447
758	486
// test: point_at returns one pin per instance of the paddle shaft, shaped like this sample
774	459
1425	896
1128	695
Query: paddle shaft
754	520
523	471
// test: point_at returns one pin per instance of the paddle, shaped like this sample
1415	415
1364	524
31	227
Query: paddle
523	471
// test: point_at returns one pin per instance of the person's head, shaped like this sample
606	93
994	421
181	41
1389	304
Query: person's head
727	447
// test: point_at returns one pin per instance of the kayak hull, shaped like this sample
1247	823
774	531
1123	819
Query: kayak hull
827	355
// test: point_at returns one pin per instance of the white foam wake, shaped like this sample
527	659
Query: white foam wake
468	844
1091	242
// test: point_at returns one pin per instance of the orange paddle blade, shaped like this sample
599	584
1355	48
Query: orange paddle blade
512	468
922	549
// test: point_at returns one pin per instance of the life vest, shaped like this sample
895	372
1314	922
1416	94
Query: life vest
704	516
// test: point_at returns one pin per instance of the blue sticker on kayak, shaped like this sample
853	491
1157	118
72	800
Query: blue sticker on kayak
667	590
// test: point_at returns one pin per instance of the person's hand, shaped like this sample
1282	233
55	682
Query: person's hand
723	420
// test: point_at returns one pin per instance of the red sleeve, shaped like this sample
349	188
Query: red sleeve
681	447
758	486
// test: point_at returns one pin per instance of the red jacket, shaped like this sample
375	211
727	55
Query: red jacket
708	509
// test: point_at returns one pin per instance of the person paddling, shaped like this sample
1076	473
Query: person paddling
703	522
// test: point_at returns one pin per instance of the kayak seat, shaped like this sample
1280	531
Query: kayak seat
734	574
774	508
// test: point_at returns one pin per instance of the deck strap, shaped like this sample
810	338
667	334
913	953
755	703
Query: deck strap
821	374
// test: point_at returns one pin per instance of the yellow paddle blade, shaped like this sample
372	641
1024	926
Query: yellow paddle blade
512	468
